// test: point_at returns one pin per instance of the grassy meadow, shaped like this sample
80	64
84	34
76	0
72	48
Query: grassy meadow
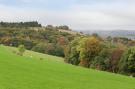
41	71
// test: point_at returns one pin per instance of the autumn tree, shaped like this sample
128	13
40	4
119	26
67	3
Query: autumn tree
88	48
114	59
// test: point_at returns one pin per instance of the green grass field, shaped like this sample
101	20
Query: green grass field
30	72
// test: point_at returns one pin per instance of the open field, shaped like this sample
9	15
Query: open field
40	71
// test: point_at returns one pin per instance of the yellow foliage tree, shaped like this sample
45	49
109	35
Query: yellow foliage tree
88	48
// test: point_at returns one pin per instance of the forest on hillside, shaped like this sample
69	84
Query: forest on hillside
112	54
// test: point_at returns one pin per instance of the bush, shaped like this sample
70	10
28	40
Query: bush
21	49
40	48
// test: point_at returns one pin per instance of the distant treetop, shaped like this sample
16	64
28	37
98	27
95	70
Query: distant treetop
63	27
20	24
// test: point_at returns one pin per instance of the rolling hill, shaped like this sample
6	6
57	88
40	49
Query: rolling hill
130	34
40	71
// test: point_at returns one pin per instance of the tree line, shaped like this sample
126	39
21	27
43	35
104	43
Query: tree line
49	41
115	55
20	24
112	54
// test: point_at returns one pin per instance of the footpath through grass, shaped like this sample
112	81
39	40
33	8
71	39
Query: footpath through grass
40	71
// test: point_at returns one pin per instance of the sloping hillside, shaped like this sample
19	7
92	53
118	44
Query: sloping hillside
39	71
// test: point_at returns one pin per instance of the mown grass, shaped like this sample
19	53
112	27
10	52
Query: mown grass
40	71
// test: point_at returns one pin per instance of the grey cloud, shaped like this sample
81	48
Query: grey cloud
114	15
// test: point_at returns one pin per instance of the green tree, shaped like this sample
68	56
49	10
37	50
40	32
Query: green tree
49	27
64	27
71	53
41	47
101	62
59	50
127	62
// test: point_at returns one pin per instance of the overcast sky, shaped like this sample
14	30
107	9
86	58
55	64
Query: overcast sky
78	14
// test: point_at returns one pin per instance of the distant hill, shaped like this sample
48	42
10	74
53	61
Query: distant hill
70	32
114	33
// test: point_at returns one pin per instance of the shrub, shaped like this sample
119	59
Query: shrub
21	49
